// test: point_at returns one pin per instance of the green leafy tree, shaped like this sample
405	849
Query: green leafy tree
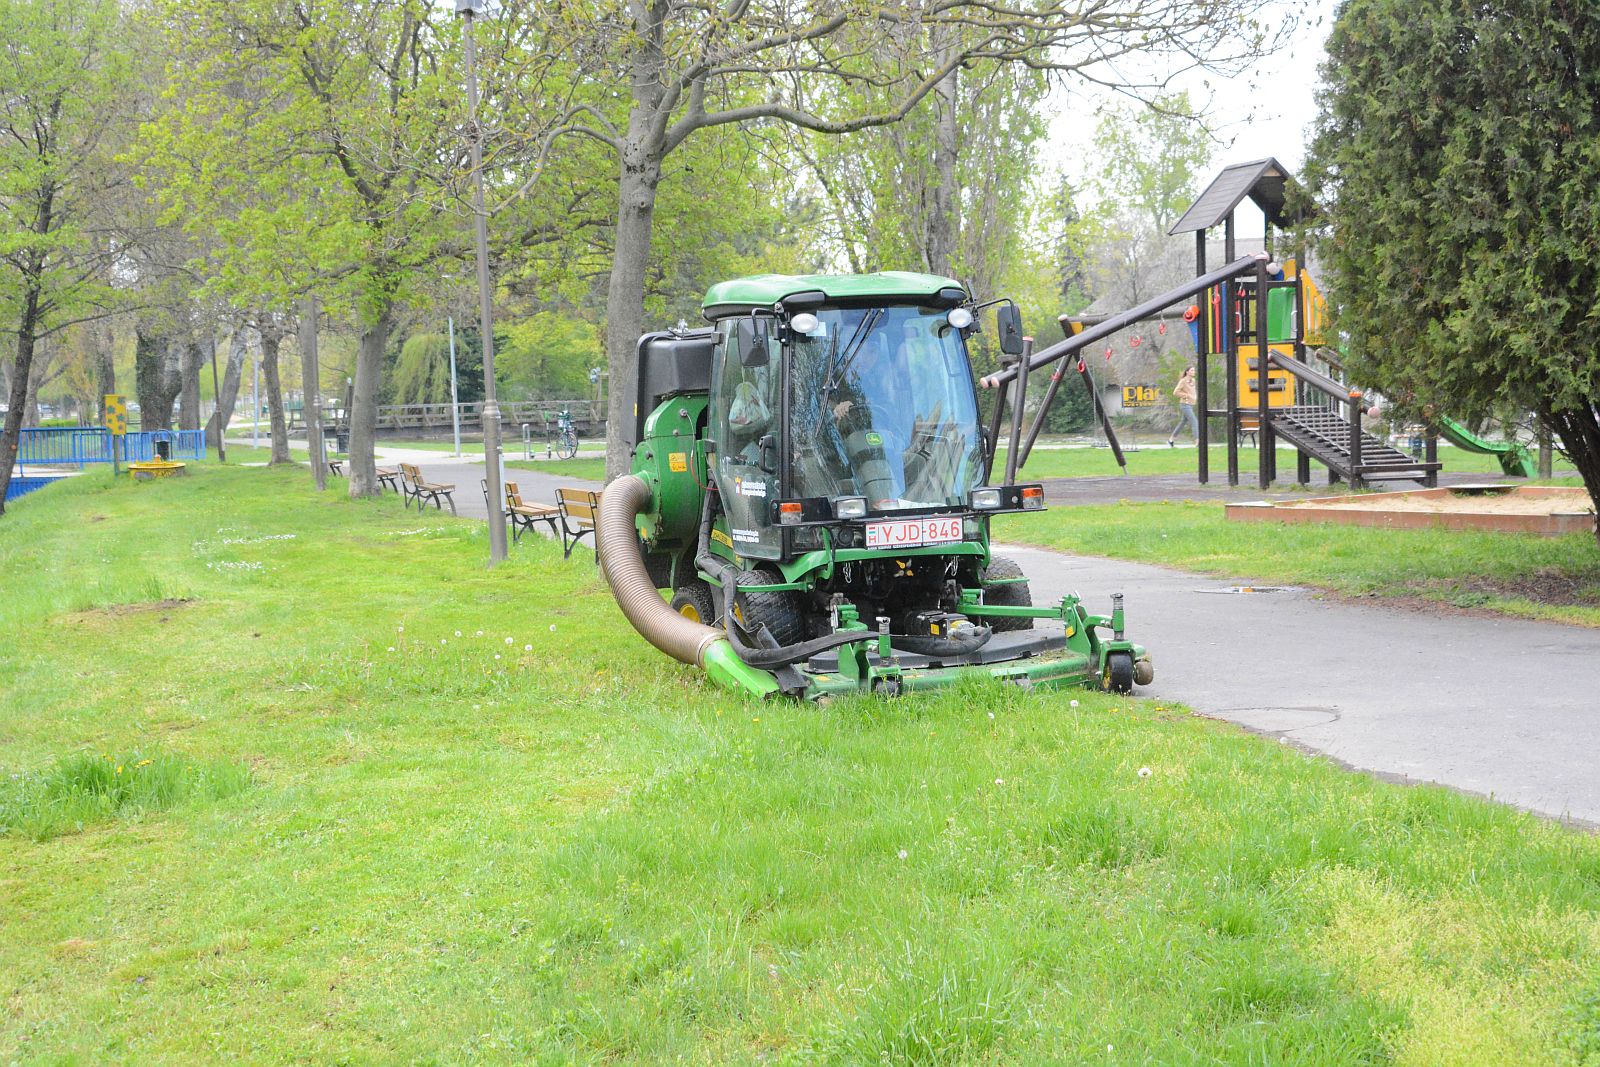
65	81
678	68
1455	156
320	143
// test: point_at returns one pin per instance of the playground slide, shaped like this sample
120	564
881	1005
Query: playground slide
1514	458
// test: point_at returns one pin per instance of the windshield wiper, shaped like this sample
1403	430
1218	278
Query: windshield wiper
857	339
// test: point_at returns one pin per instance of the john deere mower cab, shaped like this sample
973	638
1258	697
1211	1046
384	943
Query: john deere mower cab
810	481
832	405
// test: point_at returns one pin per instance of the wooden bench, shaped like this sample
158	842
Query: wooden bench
389	476
1249	426
580	512
522	514
415	487
336	466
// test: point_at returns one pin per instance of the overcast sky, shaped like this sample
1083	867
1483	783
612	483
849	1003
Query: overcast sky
1266	111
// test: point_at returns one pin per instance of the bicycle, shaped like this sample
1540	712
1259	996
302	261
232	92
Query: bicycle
561	440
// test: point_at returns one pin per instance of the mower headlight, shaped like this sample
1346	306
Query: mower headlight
985	499
849	507
959	318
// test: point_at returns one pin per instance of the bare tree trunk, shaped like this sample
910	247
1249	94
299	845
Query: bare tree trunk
217	425
17	395
192	357
362	416
270	337
105	366
642	151
1579	432
156	379
945	222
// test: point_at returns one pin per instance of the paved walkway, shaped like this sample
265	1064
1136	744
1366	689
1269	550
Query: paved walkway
1501	707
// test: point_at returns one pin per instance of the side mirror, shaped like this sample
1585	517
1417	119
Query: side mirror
753	342
1008	324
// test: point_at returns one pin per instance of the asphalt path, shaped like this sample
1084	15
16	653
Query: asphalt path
1504	708
1501	707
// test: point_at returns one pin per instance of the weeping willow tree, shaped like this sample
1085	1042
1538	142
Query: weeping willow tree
422	373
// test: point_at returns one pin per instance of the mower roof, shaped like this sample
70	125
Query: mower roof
764	290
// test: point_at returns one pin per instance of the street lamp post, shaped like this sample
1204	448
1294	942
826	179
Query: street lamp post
468	9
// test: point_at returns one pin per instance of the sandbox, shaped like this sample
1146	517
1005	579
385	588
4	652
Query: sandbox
1548	510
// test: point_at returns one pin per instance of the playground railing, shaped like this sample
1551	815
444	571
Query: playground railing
79	446
67	446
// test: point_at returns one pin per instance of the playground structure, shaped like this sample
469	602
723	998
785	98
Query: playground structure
1266	320
811	480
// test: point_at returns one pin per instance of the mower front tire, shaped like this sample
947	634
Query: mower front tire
694	602
1006	594
780	610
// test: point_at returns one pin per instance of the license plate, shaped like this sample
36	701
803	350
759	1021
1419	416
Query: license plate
910	533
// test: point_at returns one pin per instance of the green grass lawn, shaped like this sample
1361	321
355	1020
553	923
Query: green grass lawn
296	778
593	469
1519	574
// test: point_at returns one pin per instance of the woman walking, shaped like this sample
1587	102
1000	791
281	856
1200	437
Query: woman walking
1184	394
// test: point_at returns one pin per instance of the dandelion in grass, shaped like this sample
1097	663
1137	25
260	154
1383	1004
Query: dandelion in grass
510	641
1072	703
478	634
497	655
1144	772
458	633
904	853
391	648
442	641
999	781
527	648
552	627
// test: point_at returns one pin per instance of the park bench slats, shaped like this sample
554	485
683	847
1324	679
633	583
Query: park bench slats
417	488
580	511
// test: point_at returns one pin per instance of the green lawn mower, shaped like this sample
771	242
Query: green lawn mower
811	480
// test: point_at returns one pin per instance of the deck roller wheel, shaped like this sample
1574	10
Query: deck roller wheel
1118	677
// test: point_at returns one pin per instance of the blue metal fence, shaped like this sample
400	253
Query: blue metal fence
76	446
19	486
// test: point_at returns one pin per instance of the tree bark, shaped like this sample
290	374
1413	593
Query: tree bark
944	222
363	413
192	357
642	151
217	425
17	398
270	338
105	365
156	378
1578	430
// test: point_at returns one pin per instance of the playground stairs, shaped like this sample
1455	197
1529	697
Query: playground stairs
1324	435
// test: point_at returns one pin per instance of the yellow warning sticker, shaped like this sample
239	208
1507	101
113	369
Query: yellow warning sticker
678	462
719	536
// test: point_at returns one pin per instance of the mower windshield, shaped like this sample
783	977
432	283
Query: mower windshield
883	407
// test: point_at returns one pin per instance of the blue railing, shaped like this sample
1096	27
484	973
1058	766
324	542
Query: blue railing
186	444
76	446
19	486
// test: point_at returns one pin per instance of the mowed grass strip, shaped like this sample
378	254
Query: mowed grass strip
483	820
1517	574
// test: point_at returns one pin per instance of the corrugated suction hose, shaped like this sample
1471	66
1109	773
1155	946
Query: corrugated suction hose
681	638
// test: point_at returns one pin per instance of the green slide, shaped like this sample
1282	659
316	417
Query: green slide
1514	458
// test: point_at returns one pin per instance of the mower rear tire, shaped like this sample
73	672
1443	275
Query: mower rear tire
781	611
693	602
1007	594
1119	672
